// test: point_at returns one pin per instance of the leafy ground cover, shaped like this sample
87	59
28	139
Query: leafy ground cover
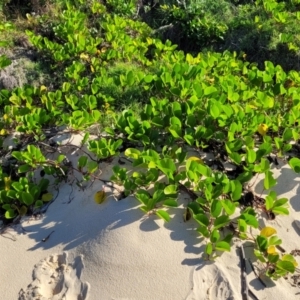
158	104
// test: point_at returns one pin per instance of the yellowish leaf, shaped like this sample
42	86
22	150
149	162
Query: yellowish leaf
272	250
47	197
84	56
262	129
43	88
23	210
3	132
92	69
268	231
195	158
7	183
100	197
5	117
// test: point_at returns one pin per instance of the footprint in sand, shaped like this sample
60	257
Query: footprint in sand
56	279
211	283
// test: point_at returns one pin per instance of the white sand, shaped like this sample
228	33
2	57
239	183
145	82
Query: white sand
114	251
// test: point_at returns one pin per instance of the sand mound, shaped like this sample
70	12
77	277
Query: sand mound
56	279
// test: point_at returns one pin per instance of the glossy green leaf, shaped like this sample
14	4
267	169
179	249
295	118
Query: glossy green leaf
27	198
163	215
214	236
222	246
286	265
24	168
82	161
209	249
295	164
221	221
216	208
170	203
132	153
202	219
10	214
269	180
170	189
228	206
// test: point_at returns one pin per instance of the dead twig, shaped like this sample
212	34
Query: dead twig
245	289
47	237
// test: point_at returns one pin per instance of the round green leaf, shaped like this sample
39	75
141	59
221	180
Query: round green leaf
9	214
27	198
295	164
47	197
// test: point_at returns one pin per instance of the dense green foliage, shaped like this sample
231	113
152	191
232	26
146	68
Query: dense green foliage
160	104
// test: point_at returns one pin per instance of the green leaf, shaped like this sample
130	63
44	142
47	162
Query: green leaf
27	198
60	158
214	236
228	206
281	202
189	139
18	155
221	221
269	202
92	166
9	214
262	243
203	231
170	203
222	246
216	208
286	265
167	166
202	219
214	111
269	180
250	220
209	249
17	186
209	90
132	153
295	164
273	258
163	215
170	189
82	161
175	130
259	256
289	257
242	225
195	208
148	78
274	240
236	190
280	210
251	156
24	168
287	134
38	203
